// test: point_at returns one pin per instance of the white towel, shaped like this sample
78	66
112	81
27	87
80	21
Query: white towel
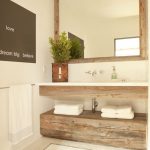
68	109
116	109
124	109
118	115
126	115
68	112
108	115
69	106
109	109
20	112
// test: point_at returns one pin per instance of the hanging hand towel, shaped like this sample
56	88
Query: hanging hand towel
20	112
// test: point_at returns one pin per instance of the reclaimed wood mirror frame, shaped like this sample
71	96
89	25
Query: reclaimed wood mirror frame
143	37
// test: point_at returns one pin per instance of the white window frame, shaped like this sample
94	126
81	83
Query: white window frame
122	52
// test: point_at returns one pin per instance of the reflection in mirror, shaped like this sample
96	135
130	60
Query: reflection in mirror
99	23
127	46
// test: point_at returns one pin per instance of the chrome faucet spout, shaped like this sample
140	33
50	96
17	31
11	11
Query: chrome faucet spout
94	105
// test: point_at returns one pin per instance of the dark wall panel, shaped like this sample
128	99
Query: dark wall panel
17	33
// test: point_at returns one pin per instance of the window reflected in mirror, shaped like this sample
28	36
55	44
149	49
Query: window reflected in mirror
127	46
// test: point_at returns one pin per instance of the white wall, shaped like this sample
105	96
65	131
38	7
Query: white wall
20	73
128	70
13	72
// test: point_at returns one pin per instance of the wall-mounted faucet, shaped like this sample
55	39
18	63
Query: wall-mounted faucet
92	73
94	104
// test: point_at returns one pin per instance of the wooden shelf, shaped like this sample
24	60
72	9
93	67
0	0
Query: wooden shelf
91	127
97	115
109	92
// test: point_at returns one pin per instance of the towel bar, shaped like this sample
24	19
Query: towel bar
9	87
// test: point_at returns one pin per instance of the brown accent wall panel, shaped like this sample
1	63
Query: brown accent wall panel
17	33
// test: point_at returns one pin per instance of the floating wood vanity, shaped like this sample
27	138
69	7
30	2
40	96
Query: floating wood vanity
103	90
90	127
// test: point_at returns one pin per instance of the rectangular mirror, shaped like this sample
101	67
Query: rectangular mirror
110	29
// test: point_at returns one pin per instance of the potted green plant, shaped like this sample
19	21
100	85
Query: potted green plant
60	50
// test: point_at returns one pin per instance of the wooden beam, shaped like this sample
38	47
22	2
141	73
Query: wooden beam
90	127
56	19
107	59
105	92
143	28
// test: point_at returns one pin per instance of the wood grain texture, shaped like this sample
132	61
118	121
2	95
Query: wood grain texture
143	37
91	128
143	28
104	92
56	19
64	72
107	59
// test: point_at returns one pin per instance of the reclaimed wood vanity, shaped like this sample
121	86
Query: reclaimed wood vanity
91	127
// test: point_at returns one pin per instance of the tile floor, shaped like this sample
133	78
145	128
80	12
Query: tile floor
43	143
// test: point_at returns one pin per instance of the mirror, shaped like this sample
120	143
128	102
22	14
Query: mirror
113	29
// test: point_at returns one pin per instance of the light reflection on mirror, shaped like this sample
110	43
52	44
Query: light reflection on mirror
99	23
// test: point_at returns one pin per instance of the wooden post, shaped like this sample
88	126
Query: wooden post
143	28
56	19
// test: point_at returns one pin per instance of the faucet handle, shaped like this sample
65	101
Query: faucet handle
88	72
101	71
92	73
